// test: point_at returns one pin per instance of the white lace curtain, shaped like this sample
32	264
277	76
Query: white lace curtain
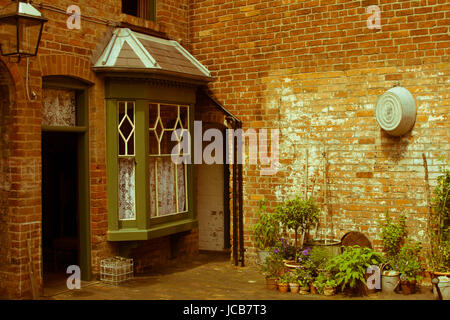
167	182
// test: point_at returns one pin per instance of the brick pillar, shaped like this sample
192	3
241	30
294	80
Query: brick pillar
5	178
20	194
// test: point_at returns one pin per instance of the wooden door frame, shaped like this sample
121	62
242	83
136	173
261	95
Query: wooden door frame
82	131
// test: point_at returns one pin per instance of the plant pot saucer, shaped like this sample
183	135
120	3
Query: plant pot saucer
441	274
391	273
289	261
292	265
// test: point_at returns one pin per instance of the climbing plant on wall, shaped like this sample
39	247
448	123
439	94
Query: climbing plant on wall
439	227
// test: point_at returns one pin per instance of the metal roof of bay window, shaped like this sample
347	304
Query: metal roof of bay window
130	51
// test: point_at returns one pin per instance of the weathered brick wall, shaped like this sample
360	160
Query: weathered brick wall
315	70
68	53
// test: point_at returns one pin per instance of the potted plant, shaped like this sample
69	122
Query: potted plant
312	288
393	236
294	286
439	226
330	287
286	250
408	265
272	268
320	257
305	261
439	234
283	282
298	215
303	278
266	231
350	267
319	282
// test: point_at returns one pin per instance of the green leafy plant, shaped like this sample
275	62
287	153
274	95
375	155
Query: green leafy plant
285	249
298	215
330	283
286	277
302	276
266	231
393	235
273	266
350	267
439	230
320	257
305	261
407	261
320	282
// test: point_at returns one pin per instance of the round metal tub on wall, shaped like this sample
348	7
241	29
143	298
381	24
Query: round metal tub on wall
396	111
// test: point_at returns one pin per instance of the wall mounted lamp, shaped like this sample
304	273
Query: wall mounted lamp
21	28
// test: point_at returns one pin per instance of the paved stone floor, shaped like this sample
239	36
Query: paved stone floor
206	277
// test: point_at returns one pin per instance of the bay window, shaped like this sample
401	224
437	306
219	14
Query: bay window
149	195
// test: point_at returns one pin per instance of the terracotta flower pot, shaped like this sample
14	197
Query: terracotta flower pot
304	290
294	287
312	289
414	286
328	291
408	287
283	287
271	283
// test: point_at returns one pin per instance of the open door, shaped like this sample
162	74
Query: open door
65	181
60	203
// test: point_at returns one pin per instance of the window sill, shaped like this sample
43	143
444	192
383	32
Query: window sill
157	231
140	25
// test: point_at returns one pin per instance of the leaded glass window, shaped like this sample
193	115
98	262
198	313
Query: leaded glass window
168	181
127	163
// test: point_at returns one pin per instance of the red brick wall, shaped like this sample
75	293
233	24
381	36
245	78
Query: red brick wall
6	95
69	53
173	17
315	70
164	251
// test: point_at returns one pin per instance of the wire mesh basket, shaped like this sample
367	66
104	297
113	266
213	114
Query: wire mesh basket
116	270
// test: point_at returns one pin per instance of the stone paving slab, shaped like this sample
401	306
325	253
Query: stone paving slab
206	277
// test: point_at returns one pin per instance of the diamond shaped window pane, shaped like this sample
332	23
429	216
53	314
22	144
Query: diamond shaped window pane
159	129
126	128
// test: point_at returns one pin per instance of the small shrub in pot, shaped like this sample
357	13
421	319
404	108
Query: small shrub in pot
350	267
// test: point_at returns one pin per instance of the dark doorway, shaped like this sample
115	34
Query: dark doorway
60	203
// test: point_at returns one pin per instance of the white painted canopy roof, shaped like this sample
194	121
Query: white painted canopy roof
137	52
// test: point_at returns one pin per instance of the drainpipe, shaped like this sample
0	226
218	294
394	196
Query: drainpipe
238	219
241	211
235	216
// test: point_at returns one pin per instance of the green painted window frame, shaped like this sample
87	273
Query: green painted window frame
144	227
